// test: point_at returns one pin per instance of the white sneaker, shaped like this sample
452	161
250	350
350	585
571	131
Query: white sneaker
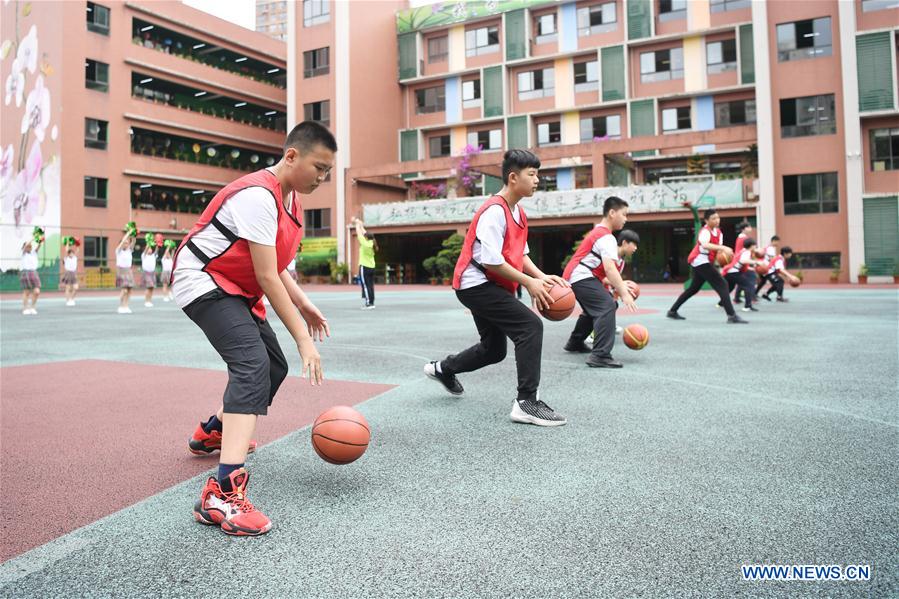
29	311
166	299
745	309
70	303
618	330
148	304
124	310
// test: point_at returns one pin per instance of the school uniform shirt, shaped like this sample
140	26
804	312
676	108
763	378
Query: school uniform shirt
488	247
745	258
123	258
777	265
148	262
705	236
250	214
29	260
70	263
607	247
770	252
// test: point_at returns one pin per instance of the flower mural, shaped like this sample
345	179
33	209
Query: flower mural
29	165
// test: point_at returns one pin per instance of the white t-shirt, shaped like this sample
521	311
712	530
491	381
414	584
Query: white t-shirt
770	252
167	264
488	247
776	266
148	262
705	236
123	258
70	263
29	260
250	214
607	247
745	258
292	265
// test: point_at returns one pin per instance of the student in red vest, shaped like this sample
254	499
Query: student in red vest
235	254
744	231
593	271
777	273
702	262
493	263
735	272
771	252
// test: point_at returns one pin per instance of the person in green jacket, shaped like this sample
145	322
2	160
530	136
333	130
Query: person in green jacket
367	248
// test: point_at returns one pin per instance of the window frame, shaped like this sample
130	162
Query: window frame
92	23
444	143
97	142
679	118
587	85
476	99
800	206
439	99
309	228
724	65
97	200
314	57
822	102
323	106
728	5
478	49
545	38
664	75
553	130
729	104
593	122
311	18
787	52
439	57
96	84
488	147
533	91
672	14
585	15
97	258
891	162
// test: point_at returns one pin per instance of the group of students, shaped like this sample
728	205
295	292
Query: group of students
124	280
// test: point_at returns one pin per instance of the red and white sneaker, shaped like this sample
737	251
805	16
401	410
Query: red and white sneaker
203	443
226	505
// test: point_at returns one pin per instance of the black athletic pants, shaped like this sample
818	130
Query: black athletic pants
739	280
367	281
497	315
701	274
598	316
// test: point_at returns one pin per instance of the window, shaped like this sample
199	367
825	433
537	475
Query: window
438	49
653	175
721	56
471	93
601	126
486	140
549	134
885	149
662	65
804	39
869	5
318	111
810	115
316	12
439	146
598	18
545	28
317	222
481	41
96	133
670	10
730	170
95	192
431	99
586	76
583	177
738	112
811	194
316	62
536	84
97	18
726	5
94	251
96	75
813	260
676	119
547	181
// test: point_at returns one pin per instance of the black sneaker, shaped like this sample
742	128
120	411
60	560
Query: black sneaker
449	381
736	320
782	299
534	411
603	363
766	298
578	348
674	315
753	308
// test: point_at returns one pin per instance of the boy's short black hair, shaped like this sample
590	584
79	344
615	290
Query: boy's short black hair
515	161
786	250
748	243
613	203
709	214
628	235
775	238
308	134
742	225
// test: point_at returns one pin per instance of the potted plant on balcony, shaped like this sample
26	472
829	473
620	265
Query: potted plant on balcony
863	274
835	270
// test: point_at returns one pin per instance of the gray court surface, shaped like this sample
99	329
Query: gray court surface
717	446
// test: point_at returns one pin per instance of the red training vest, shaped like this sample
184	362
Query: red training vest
777	265
513	245
232	270
716	239
585	249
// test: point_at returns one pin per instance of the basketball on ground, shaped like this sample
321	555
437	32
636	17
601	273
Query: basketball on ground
635	336
563	305
340	435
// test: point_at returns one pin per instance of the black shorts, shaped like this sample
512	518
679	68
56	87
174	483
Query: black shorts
256	364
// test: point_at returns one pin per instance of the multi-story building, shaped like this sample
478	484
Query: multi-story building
271	18
128	111
783	113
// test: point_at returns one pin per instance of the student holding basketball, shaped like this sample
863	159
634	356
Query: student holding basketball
235	254
702	261
493	263
735	271
597	262
777	273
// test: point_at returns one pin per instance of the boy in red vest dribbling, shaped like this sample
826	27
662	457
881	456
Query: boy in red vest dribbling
599	258
235	254
493	263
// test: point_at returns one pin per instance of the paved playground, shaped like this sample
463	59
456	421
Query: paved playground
716	446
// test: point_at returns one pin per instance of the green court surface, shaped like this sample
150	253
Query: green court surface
717	446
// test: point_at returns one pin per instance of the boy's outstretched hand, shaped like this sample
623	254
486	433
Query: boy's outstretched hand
312	362
315	322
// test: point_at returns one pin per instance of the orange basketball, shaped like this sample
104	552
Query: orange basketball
632	287
724	258
762	268
635	336
795	282
340	435
563	305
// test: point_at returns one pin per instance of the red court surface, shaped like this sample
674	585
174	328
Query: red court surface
83	439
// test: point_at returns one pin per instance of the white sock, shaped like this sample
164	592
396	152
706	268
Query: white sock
437	367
